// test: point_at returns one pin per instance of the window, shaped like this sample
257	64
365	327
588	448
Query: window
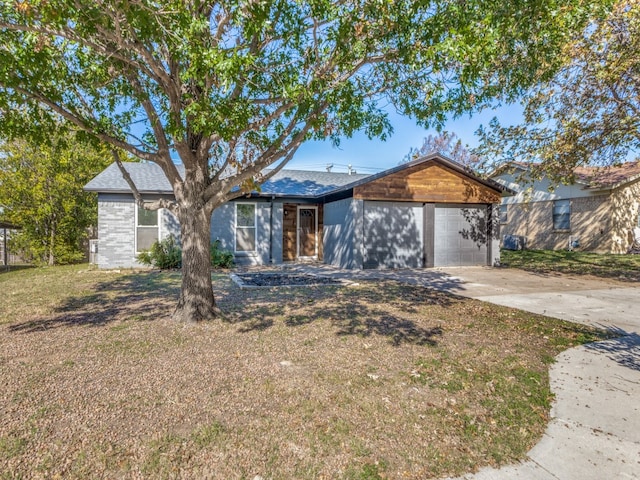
504	217
562	215
245	227
146	229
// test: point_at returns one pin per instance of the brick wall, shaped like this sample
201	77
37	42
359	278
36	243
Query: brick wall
116	231
624	218
590	224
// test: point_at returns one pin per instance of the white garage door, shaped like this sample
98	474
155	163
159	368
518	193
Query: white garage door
393	235
460	237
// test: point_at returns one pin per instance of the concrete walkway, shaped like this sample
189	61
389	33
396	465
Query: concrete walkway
594	431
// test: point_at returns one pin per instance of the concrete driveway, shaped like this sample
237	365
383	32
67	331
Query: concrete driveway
588	300
594	432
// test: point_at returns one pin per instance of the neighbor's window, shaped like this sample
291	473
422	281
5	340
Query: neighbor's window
245	227
146	229
504	218
562	215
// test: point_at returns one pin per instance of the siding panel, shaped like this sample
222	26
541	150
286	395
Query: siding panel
429	182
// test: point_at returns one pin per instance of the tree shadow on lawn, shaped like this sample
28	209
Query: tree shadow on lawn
600	271
623	268
138	296
149	296
355	312
624	350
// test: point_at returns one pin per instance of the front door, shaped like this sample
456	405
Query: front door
307	232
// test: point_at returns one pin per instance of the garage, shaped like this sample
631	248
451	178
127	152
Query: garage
431	212
460	235
393	235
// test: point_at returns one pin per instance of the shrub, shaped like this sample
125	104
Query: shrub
220	258
163	254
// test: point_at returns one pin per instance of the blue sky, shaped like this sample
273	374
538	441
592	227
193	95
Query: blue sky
371	156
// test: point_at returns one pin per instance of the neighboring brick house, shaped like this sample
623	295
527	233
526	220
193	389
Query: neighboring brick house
599	211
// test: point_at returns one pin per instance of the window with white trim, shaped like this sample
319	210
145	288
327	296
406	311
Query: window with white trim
562	214
146	228
245	227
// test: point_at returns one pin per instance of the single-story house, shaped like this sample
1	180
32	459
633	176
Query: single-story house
597	212
429	212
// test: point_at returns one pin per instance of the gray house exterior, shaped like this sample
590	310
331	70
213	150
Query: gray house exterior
430	212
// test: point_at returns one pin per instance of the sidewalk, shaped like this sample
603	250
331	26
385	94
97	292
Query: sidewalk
595	428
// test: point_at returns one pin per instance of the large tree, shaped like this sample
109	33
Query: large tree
229	88
589	112
447	144
41	190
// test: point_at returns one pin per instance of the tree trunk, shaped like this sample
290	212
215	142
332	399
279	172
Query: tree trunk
52	240
196	302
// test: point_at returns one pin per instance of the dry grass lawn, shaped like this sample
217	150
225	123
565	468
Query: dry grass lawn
381	380
625	268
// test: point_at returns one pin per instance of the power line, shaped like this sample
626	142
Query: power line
339	166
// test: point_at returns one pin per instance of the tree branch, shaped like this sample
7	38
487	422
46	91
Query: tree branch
268	157
83	125
155	205
70	35
620	101
152	115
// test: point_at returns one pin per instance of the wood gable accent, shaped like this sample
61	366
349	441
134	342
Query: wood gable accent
429	182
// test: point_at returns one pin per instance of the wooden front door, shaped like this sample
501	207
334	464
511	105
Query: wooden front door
307	232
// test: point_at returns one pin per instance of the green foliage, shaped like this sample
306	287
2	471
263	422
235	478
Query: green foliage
220	258
588	113
167	253
249	82
208	434
41	191
11	446
368	471
163	254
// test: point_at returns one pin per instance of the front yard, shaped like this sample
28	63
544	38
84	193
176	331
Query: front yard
618	267
379	380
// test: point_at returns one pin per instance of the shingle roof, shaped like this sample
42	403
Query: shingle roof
432	157
306	183
591	177
599	177
149	178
